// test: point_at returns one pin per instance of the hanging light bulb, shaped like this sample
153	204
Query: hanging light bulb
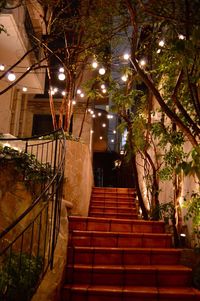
63	93
55	90
158	51
181	37
94	64
2	67
61	76
93	116
124	78
142	62
103	125
61	70
126	56
104	91
100	137
161	43
78	91
82	95
24	89
103	86
112	140
99	114
114	132
11	76
73	102
102	71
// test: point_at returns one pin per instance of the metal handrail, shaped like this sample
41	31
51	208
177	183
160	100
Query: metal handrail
26	254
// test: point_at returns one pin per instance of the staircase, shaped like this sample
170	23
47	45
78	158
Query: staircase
113	256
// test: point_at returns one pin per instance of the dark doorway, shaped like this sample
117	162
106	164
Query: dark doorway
112	170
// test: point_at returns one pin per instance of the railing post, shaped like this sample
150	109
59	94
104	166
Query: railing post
55	204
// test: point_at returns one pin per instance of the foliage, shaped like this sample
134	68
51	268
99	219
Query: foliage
193	214
26	164
165	211
19	275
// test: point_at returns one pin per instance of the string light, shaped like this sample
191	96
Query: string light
82	95
181	37
126	56
61	70
78	91
102	71
91	131
100	137
124	78
104	91
103	86
24	89
114	132
99	114
161	43
61	76
103	125
158	51
93	116
112	140
94	64
55	90
73	102
2	67
109	116
63	93
11	76
142	62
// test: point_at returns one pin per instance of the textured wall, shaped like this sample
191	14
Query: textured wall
78	177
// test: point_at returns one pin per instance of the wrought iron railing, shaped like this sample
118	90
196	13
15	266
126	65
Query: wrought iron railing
27	245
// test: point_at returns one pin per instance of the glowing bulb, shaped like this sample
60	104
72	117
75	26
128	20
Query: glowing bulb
11	76
124	78
158	51
93	116
112	140
99	114
94	64
63	93
91	131
78	91
24	89
102	71
100	137
61	70
143	62
52	92
89	110
104	90
61	76
103	125
126	56
181	37
103	86
161	43
55	90
73	102
114	132
82	95
2	67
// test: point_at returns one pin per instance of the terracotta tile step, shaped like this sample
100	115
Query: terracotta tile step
113	189
115	225
119	240
127	293
159	276
112	203
114	215
108	209
113	196
123	256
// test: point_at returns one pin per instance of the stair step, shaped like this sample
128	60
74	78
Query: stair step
115	225
120	239
112	203
107	209
84	292
162	276
114	215
113	189
123	256
113	196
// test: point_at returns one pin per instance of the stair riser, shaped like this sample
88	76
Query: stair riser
112	203
120	242
96	224
112	210
123	296
152	278
117	257
114	215
114	198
